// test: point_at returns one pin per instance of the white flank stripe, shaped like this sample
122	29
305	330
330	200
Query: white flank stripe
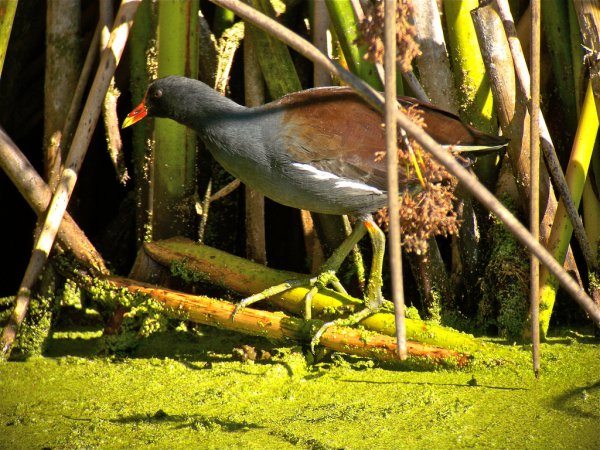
339	181
316	173
345	183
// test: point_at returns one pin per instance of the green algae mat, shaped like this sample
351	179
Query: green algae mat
188	390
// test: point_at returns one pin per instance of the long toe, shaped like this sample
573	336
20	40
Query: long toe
349	321
315	284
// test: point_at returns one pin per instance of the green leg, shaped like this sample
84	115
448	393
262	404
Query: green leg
339	255
325	277
373	298
330	267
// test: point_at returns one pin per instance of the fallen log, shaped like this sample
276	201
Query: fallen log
195	261
217	313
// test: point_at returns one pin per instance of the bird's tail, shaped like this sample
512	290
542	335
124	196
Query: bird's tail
484	144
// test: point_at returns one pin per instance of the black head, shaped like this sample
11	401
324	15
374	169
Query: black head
153	103
177	98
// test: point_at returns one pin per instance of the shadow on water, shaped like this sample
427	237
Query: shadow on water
576	402
195	352
421	383
194	421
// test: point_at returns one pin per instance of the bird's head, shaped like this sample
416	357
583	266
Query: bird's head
154	103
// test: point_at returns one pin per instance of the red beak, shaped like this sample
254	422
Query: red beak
136	115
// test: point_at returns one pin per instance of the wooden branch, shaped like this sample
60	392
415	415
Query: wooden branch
391	148
223	192
63	61
77	96
534	195
254	91
217	313
37	194
109	106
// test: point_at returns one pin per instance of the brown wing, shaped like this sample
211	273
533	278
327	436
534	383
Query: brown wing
334	130
447	128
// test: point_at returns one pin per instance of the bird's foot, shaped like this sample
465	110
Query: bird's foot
343	322
324	279
373	302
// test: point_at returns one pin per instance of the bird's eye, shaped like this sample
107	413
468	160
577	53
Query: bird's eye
157	93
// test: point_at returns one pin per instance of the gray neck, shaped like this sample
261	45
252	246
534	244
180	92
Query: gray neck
219	121
235	135
201	107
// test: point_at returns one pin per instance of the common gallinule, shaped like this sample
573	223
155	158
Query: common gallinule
314	150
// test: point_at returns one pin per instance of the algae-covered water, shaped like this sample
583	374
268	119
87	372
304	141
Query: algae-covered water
185	390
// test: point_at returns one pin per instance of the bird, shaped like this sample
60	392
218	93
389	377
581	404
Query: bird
314	150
